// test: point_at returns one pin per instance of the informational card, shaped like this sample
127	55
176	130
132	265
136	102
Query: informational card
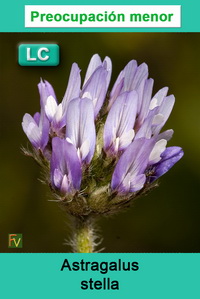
100	163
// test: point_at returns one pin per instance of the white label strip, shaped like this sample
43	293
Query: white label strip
102	16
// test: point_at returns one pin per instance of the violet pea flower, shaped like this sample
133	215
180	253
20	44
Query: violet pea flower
55	112
141	157
118	130
65	166
37	127
94	64
80	128
96	82
168	158
157	117
132	77
129	173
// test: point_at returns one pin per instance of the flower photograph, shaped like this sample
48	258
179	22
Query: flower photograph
101	153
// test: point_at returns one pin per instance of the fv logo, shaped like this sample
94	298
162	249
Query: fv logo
14	240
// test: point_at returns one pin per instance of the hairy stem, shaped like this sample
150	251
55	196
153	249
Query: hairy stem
83	238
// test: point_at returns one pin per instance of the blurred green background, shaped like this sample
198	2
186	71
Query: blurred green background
168	219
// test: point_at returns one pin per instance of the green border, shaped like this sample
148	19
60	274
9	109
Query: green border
159	276
38	275
12	16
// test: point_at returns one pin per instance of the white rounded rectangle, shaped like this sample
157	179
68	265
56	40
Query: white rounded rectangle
102	16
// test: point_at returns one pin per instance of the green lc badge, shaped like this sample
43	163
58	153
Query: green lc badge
38	55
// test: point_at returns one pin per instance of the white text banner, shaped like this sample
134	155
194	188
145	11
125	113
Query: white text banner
102	16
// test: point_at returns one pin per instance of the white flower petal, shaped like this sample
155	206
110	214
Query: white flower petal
116	144
50	107
57	177
157	150
84	149
158	119
126	139
59	113
64	188
69	140
87	94
153	104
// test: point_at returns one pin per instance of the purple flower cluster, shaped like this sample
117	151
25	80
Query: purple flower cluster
133	149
